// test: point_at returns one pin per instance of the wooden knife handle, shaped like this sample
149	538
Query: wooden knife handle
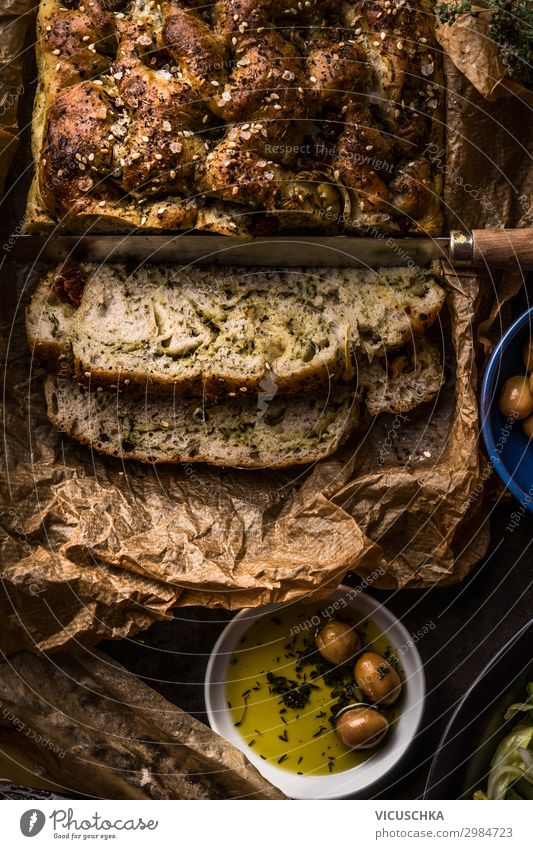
503	248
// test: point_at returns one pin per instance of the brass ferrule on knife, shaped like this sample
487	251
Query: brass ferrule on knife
461	249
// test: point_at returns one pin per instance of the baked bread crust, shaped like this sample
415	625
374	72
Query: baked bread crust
243	117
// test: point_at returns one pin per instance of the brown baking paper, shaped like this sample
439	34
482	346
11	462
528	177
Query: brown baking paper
469	45
488	169
82	724
15	20
489	183
95	548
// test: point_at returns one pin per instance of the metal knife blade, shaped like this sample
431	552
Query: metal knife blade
310	251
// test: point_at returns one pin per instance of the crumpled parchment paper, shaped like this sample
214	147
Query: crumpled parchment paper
93	548
80	723
15	19
487	162
469	45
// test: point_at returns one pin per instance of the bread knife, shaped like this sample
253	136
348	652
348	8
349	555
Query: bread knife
476	249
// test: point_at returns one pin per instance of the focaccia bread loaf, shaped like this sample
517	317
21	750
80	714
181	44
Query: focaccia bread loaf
240	116
199	330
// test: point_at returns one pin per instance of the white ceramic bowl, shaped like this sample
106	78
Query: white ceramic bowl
351	781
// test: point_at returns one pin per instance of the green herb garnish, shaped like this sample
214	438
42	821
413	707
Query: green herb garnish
320	731
241	720
294	695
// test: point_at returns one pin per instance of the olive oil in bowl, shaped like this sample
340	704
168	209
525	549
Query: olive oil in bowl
283	696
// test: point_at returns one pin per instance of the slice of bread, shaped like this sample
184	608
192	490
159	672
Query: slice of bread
206	331
247	431
400	383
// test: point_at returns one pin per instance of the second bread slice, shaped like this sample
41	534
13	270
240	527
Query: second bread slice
263	431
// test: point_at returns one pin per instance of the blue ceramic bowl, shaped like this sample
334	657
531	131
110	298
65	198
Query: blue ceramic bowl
509	450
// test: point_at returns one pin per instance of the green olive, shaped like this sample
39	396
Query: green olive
527	426
361	727
377	678
338	642
328	194
527	354
516	398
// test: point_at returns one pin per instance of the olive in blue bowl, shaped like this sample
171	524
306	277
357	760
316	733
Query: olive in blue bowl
507	409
